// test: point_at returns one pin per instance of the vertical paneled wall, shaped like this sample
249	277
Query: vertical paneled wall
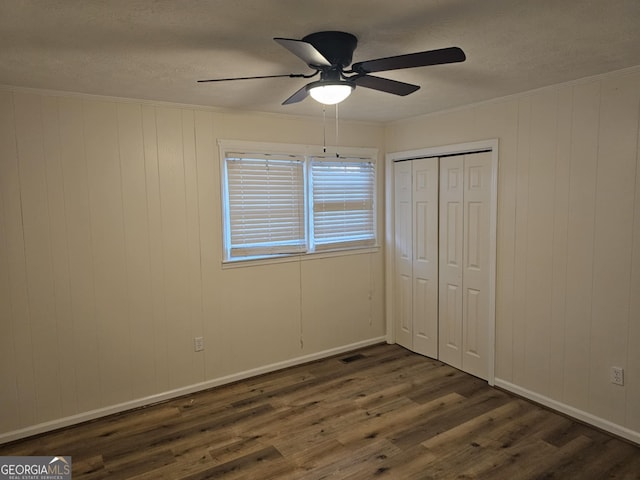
568	290
110	259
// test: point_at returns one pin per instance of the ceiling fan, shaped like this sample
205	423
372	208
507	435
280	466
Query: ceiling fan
330	53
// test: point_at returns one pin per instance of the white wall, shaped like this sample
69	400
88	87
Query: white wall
111	260
568	273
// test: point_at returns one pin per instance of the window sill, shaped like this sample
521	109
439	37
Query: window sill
239	263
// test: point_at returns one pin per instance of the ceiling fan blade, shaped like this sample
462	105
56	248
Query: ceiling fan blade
297	97
305	51
291	75
411	60
385	85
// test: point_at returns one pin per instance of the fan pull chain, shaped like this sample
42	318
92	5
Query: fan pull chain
324	129
337	133
301	304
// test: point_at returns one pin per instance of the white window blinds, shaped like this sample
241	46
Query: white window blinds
343	193
265	205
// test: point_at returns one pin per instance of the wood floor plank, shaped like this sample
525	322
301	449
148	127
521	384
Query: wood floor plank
405	464
391	422
128	467
473	428
89	467
306	460
454	415
252	462
378	412
347	461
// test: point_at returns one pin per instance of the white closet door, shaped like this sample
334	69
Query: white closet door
425	256
403	255
476	272
465	186
451	266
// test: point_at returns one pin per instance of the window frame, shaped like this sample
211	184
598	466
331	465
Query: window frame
308	152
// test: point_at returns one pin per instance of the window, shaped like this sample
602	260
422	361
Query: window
265	198
343	199
281	204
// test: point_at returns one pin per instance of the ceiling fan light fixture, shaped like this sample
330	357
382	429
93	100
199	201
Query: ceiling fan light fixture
330	93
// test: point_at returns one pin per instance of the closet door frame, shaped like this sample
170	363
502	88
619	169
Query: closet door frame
439	151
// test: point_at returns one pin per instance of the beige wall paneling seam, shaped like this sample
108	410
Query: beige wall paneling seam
109	257
539	237
561	195
506	114
210	243
580	228
67	383
156	249
521	241
12	296
175	243
37	252
80	248
194	247
137	256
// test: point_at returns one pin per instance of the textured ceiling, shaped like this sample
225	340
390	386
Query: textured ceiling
157	50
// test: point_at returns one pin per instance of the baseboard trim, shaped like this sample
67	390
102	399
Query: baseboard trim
581	415
168	395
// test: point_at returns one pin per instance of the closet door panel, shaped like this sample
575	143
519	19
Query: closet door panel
451	259
425	256
475	274
403	255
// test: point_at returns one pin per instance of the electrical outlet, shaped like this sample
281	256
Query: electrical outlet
198	344
617	375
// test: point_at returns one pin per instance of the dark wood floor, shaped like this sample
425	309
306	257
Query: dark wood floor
381	412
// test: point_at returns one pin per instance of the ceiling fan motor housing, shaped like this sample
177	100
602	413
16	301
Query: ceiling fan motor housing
337	47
